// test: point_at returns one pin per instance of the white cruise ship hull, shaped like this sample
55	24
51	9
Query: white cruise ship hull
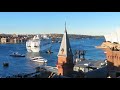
33	49
38	49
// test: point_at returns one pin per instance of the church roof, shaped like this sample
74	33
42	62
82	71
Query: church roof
65	48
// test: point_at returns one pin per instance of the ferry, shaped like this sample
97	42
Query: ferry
16	54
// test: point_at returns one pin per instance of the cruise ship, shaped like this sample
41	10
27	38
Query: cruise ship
36	44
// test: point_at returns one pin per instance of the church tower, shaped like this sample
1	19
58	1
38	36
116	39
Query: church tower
65	57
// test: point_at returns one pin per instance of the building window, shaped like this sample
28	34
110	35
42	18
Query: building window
112	57
62	50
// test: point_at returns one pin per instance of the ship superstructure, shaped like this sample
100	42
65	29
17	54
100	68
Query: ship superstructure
36	44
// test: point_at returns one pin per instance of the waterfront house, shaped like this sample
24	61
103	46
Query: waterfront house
3	40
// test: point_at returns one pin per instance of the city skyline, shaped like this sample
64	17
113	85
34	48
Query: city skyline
86	23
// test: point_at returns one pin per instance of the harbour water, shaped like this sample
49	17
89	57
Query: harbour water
19	65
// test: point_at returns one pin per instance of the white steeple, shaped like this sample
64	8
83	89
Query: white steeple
65	48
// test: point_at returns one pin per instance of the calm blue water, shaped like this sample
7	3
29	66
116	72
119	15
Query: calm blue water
25	65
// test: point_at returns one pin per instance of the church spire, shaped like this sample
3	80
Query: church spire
65	57
65	25
65	48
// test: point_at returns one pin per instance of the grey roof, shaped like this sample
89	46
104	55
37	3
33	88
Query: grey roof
65	48
91	62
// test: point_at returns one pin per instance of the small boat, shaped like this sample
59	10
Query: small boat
39	59
16	54
5	64
59	41
49	52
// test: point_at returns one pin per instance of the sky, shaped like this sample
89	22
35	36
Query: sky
87	23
